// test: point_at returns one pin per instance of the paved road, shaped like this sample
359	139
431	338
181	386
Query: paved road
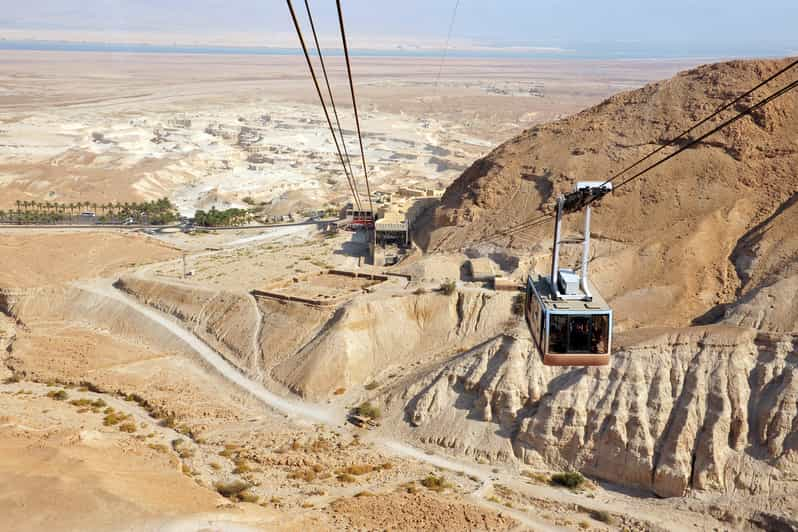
162	228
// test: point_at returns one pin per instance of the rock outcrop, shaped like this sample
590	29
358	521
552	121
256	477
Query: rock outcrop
711	408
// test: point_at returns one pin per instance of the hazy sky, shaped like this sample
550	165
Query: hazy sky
713	24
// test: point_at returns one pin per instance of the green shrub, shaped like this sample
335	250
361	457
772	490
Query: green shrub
368	410
448	287
128	427
570	479
519	302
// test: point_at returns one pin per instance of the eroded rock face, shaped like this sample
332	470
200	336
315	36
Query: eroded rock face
712	408
370	337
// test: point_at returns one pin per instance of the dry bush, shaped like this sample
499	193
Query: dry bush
360	469
345	477
248	496
215	466
242	466
373	385
434	483
185	452
319	445
59	395
128	427
602	516
410	487
161	448
169	421
537	477
339	391
113	418
448	288
232	489
307	475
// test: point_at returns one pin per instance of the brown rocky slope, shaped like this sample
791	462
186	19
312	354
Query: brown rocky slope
707	238
663	242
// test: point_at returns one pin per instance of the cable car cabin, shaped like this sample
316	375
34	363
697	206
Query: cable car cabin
359	218
568	332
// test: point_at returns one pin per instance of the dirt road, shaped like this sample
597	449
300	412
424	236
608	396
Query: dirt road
303	410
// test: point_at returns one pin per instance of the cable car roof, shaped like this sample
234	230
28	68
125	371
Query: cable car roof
543	290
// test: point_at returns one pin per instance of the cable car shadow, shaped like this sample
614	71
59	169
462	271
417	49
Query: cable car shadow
357	246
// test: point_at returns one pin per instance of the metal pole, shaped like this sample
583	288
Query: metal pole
555	255
586	255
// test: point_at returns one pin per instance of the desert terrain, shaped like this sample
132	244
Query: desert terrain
213	130
170	380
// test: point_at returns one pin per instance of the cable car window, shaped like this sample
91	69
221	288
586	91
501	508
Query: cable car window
599	334
558	334
579	334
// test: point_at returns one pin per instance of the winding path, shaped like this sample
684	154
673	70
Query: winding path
310	411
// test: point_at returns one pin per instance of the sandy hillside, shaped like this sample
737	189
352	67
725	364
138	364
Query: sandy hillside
111	413
31	260
662	243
